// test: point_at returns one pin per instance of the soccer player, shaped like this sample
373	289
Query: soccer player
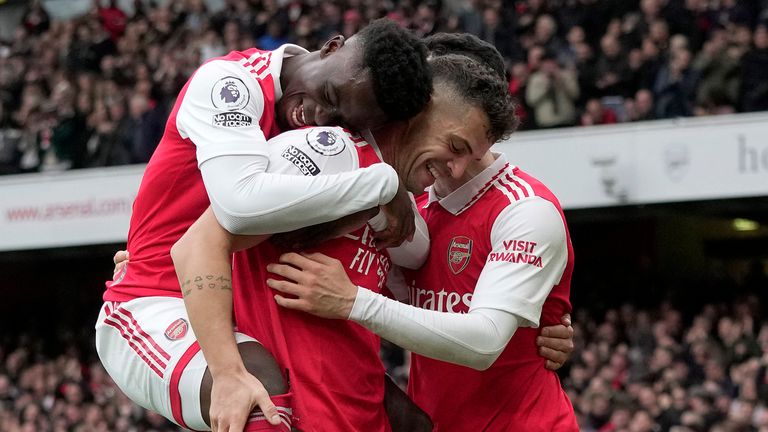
336	376
500	265
214	152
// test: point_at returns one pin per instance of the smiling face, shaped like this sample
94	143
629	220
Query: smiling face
442	141
331	88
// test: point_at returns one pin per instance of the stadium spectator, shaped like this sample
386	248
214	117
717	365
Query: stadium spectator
676	376
641	107
10	138
612	68
518	82
675	86
698	57
753	93
595	113
147	127
551	93
112	18
36	20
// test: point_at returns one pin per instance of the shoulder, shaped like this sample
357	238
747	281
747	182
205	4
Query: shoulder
316	150
224	85
535	219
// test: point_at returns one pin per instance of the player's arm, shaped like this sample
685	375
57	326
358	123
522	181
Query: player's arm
556	343
202	261
232	155
507	295
413	253
410	254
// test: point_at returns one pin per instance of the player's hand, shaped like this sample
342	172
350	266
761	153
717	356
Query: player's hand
400	221
233	397
556	343
121	260
308	237
318	282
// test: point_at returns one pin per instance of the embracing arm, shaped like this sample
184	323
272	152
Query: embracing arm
475	339
202	261
507	294
247	200
233	156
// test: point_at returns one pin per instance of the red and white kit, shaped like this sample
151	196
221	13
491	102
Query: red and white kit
214	152
500	263
335	373
499	242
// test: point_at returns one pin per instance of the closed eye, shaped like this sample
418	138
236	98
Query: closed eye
457	149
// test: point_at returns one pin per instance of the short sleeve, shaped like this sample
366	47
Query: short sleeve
220	112
528	258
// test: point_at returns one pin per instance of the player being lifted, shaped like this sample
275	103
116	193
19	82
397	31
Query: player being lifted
214	152
336	376
326	358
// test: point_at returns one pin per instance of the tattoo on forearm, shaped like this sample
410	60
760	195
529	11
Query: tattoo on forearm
197	283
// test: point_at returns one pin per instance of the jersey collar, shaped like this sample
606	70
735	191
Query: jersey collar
276	64
468	193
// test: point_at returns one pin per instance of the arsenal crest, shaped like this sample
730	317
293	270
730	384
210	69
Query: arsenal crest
177	329
459	252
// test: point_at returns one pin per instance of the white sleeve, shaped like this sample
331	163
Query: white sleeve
475	339
220	114
302	186
529	255
528	259
411	254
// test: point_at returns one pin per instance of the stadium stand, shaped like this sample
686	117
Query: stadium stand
94	91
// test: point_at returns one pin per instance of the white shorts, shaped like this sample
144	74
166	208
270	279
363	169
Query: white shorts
148	348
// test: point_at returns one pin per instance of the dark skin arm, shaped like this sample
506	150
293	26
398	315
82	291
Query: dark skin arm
556	343
400	226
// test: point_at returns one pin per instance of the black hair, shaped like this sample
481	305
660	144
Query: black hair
397	59
479	85
468	45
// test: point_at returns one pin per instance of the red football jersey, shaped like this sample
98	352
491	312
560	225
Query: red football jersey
333	366
503	232
220	106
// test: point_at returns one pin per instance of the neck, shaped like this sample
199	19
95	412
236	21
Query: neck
388	139
291	65
445	186
476	168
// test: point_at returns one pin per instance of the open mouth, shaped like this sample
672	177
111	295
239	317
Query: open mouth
433	171
297	117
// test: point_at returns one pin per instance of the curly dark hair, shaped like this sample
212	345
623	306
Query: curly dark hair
469	45
397	59
479	85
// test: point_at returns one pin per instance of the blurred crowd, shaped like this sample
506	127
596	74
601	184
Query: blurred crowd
651	370
633	370
96	90
64	389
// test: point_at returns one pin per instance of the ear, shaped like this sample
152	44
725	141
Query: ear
332	45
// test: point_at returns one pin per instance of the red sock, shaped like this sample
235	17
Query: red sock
257	421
